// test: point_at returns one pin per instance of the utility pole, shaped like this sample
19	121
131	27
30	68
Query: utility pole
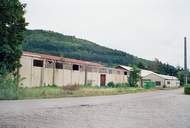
185	62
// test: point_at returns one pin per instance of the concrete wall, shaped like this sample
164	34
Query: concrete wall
48	73
25	70
59	73
172	83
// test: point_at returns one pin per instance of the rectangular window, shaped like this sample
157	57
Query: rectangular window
102	70
38	63
125	72
110	71
118	72
168	82
75	67
94	69
59	65
158	83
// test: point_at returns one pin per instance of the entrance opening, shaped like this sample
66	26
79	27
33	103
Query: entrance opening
102	80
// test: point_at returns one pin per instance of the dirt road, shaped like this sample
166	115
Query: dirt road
157	109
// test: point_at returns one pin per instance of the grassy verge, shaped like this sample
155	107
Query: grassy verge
45	92
58	92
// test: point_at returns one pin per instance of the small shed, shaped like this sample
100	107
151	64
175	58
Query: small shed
161	80
126	68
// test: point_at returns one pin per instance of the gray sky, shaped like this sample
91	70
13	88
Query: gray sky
144	28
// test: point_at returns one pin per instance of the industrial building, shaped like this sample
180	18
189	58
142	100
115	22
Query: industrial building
41	69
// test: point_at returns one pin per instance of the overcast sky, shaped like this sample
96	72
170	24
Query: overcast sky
147	29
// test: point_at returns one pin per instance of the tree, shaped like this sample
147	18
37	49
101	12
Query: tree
134	76
181	77
141	65
12	27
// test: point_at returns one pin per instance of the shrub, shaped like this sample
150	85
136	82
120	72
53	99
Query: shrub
9	89
111	84
121	85
72	87
53	86
187	89
127	85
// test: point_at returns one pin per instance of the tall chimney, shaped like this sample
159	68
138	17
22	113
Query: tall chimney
185	62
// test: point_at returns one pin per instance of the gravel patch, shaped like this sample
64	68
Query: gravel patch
172	112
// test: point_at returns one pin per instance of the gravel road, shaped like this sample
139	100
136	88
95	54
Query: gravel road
159	109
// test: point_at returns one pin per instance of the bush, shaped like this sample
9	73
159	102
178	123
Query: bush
127	85
72	87
53	86
9	89
121	85
9	94
187	89
111	84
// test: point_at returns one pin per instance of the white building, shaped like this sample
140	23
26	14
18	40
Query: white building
160	80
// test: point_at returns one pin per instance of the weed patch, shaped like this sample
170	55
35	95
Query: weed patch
72	87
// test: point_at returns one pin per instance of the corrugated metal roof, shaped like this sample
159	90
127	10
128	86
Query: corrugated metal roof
44	56
146	72
168	77
125	67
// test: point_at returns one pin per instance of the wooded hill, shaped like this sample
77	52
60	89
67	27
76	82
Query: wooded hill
52	43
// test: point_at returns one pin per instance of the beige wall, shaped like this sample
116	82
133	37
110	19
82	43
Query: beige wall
77	77
172	83
25	70
59	77
67	77
48	76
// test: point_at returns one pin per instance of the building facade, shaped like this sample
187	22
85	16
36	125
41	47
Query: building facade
149	76
41	69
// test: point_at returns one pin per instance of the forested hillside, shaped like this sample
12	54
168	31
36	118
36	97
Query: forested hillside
52	43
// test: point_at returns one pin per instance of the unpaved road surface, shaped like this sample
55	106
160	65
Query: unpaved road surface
158	109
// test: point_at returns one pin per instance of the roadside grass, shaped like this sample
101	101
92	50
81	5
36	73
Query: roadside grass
45	92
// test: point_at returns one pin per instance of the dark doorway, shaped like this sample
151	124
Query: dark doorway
102	80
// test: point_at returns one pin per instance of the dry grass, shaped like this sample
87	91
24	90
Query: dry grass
72	87
75	91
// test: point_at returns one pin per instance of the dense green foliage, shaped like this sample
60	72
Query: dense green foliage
52	43
111	84
187	89
122	85
12	27
9	88
134	76
181	77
